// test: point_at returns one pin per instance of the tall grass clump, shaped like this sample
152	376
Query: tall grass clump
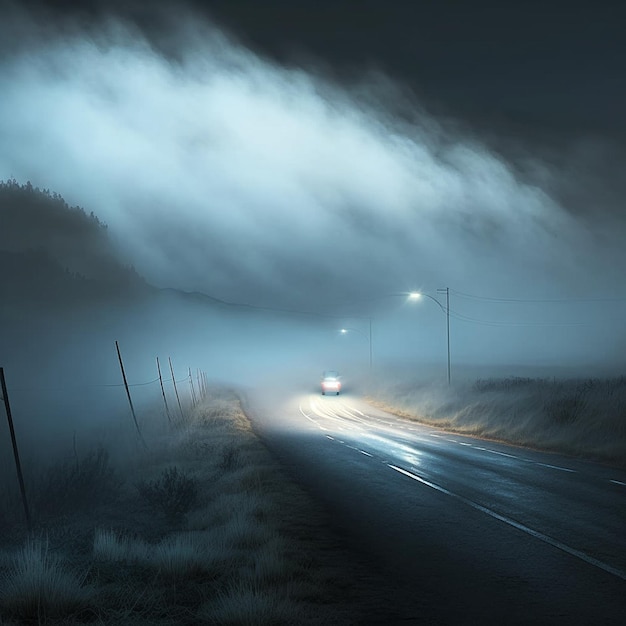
110	546
39	586
181	554
247	603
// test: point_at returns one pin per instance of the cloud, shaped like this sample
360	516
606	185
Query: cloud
217	170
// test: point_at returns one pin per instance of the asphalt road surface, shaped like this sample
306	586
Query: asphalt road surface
469	531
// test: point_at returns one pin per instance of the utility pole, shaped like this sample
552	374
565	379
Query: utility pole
370	338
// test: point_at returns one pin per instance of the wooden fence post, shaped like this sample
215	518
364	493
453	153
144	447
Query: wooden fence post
200	389
130	401
18	467
176	389
193	393
167	409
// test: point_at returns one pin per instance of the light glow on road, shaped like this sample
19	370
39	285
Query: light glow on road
382	439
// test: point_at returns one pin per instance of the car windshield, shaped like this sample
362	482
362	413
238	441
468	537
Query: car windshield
331	374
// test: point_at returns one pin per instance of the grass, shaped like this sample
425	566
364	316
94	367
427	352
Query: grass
200	527
246	603
583	417
39	585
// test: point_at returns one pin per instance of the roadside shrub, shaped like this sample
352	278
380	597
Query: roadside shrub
71	486
173	493
230	458
40	586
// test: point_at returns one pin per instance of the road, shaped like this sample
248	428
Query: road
470	531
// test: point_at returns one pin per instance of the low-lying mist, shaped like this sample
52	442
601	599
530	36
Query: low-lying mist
317	204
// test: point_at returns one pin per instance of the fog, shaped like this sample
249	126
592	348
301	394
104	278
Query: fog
317	204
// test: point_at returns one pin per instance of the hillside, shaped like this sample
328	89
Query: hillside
56	255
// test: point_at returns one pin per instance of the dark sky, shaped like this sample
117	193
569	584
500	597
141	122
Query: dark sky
539	66
532	62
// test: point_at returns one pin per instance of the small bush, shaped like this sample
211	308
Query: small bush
230	458
173	494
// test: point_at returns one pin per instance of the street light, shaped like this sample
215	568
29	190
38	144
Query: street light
345	331
416	295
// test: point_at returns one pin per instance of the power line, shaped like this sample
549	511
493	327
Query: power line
473	320
534	300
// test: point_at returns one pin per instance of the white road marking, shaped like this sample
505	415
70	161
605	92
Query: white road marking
309	418
556	467
534	533
511	456
365	453
619	482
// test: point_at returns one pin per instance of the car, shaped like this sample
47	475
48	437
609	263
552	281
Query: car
331	382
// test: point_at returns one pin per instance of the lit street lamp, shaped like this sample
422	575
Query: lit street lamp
416	295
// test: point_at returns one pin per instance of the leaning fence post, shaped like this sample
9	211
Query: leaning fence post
176	389
130	401
204	386
18	467
167	409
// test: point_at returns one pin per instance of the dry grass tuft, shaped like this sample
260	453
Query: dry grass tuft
40	586
247	604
